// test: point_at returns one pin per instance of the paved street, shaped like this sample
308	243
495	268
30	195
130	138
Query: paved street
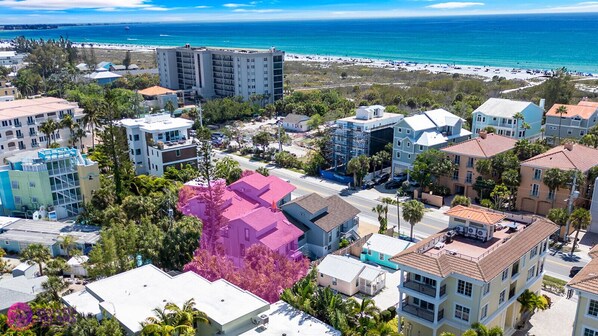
557	264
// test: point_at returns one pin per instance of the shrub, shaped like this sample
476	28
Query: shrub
486	203
461	200
440	190
286	160
343	243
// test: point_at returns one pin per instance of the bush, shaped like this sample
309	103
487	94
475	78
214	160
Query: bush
460	200
246	151
486	203
440	190
385	316
286	160
343	243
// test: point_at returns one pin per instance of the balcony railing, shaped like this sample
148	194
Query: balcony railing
421	312
420	288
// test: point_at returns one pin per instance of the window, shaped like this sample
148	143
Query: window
589	332
537	174
247	234
399	143
486	289
17	199
461	313
138	151
136	137
408	144
34	200
31	184
515	269
456	175
593	308
457	159
550	194
484	312
470	162
505	274
242	250
178	152
130	137
400	130
321	275
334	281
421	148
531	272
381	256
501	298
398	155
464	288
15	184
533	252
535	190
469	177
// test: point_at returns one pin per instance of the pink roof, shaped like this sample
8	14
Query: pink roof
284	233
236	205
274	189
575	157
260	218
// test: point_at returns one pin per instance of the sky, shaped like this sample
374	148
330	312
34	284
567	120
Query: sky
95	11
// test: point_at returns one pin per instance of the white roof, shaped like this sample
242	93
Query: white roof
8	53
344	268
387	245
25	266
504	108
286	320
419	122
131	296
371	273
48	233
430	139
158	122
83	302
24	285
103	75
77	261
442	117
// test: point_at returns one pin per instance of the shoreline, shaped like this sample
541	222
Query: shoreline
487	72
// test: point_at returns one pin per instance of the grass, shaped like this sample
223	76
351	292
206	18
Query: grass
553	284
143	59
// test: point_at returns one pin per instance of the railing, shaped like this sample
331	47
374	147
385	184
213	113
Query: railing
419	312
420	288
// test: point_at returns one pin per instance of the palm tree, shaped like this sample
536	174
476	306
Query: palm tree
91	110
530	302
554	179
558	215
413	212
484	167
560	111
169	106
382	211
79	134
518	116
48	127
580	219
331	308
482	330
300	295
36	253
68	122
376	161
174	320
366	314
69	245
392	201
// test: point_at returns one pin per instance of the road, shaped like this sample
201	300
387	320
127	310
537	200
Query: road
557	264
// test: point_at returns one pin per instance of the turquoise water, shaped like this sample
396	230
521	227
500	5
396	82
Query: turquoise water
524	41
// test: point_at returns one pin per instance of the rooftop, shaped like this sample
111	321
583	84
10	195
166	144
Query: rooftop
157	122
283	231
588	103
19	289
475	214
272	188
388	118
155	91
441	117
235	50
102	75
504	108
293	118
337	212
582	110
387	245
46	232
346	268
587	279
565	157
31	107
419	122
484	146
471	257
286	320
131	296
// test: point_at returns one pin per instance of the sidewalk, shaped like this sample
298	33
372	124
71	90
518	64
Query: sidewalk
556	321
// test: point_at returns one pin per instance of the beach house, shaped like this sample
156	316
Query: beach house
574	122
295	123
325	221
366	133
416	134
508	118
471	272
158	97
350	276
465	155
585	286
380	248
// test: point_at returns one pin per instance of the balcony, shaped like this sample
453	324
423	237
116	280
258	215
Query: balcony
30	122
421	312
420	288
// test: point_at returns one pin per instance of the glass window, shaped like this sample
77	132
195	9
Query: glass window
464	288
531	272
486	288
381	256
461	313
537	174
246	234
484	312
15	184
589	332
593	308
334	281
457	159
533	252
501	298
535	190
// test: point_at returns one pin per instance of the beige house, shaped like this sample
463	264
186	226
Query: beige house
349	276
473	271
533	195
466	154
585	285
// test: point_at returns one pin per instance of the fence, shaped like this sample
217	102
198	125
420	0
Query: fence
525	219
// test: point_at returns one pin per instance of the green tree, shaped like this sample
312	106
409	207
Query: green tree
28	82
558	89
262	139
429	166
53	287
518	117
413	213
530	302
460	200
179	243
500	196
169	106
590	140
127	59
315	121
359	167
484	167
382	211
263	171
555	179
560	111
558	215
48	127
580	220
174	320
92	108
526	149
229	169
36	253
376	161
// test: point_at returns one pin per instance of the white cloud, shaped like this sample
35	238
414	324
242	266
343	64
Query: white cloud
69	4
241	10
237	5
203	7
586	6
455	5
158	9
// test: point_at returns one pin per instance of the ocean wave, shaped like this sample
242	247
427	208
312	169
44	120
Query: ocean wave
131	39
164	35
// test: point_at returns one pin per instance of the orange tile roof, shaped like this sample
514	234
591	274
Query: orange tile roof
484	269
583	111
579	157
155	91
476	215
587	279
588	103
482	148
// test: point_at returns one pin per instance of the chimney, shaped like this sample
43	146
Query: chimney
568	146
542	103
483	134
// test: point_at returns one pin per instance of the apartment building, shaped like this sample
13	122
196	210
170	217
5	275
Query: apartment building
222	72
7	91
573	124
585	285
534	196
60	180
159	141
465	155
366	133
416	134
473	271
20	121
500	114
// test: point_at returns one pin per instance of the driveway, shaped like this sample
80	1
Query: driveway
556	321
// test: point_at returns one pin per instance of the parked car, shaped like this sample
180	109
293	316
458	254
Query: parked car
381	179
574	270
397	182
369	185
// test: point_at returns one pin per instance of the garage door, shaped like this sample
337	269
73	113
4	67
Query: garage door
543	208
528	204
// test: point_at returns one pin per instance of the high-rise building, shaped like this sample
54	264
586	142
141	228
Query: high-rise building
223	72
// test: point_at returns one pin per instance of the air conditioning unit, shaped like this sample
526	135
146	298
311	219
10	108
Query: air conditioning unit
481	233
260	320
471	230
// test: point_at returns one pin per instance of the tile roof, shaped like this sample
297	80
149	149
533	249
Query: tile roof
30	107
504	108
155	91
488	266
587	279
281	234
588	103
482	147
273	188
579	157
338	210
583	111
475	214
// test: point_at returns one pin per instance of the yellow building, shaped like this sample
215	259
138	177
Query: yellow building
585	285
473	271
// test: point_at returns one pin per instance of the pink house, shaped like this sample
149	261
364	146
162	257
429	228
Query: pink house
261	226
264	189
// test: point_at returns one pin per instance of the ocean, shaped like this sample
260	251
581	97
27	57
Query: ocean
546	41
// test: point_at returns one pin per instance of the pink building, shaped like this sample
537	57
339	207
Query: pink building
250	208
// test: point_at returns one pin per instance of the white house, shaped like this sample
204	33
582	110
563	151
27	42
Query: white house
500	114
295	123
349	276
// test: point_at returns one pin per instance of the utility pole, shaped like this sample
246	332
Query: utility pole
279	136
199	110
574	194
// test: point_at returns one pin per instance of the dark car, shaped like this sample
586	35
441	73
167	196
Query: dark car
369	185
396	182
383	178
574	270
